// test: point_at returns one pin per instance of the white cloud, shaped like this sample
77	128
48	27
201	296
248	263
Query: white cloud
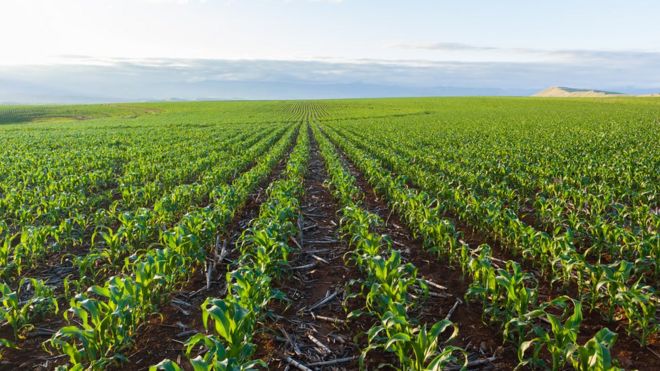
82	79
546	55
182	2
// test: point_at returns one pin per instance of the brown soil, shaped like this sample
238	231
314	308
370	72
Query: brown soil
626	350
164	334
477	338
317	270
287	330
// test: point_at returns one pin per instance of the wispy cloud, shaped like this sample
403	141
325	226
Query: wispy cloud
80	79
445	46
181	2
551	55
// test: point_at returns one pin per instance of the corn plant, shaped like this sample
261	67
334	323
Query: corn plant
595	353
637	303
559	340
264	251
232	350
20	313
387	283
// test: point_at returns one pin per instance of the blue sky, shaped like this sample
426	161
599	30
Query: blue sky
500	47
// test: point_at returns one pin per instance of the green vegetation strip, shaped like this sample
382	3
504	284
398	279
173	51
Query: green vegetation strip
388	282
507	294
264	249
608	287
108	316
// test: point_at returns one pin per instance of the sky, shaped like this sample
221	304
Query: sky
115	50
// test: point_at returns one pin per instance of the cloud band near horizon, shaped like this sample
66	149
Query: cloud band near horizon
85	79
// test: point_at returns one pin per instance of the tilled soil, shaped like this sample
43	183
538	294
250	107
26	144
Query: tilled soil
626	350
164	334
478	339
311	326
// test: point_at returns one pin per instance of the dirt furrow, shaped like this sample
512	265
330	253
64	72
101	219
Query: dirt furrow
626	349
478	339
310	325
164	334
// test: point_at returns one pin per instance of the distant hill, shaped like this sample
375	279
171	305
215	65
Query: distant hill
559	91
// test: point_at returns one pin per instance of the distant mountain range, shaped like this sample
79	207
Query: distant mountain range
564	92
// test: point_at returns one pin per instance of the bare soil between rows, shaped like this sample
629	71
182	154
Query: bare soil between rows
310	326
627	350
478	339
164	334
319	270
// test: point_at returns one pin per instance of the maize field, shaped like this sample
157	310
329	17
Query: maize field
404	234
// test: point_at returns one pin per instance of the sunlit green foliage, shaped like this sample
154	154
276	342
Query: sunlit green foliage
131	199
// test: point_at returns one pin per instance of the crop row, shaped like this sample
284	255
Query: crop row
608	286
24	249
264	248
388	282
508	295
108	315
600	226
